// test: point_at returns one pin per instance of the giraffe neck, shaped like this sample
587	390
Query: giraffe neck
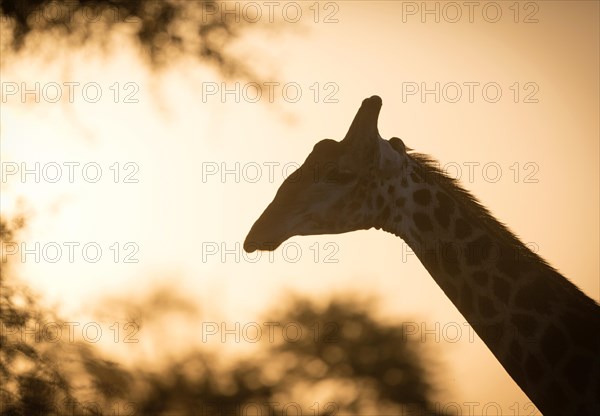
541	327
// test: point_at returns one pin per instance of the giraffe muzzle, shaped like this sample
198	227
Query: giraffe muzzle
262	235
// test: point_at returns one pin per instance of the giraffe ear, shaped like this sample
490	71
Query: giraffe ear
397	145
363	133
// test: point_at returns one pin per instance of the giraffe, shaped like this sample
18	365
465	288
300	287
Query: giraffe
542	329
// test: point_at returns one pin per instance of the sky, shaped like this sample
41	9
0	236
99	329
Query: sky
189	160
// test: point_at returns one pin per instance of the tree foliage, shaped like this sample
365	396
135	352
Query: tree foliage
163	29
345	363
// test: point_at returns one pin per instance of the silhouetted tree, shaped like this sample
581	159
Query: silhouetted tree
336	360
30	383
164	29
370	367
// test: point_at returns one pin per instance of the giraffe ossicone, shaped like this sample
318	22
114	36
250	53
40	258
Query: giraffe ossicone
542	329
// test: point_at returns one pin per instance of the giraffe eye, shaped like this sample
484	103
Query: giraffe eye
339	176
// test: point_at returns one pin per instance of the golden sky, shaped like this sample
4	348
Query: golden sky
533	150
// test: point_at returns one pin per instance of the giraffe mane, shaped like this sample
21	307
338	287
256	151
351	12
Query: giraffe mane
455	190
498	229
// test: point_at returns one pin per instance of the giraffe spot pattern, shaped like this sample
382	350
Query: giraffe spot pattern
511	267
515	368
442	217
533	369
466	299
494	332
422	221
450	259
416	236
431	262
501	289
385	214
445	202
486	307
462	229
478	250
525	324
553	344
450	290
480	277
536	295
516	351
422	197
400	202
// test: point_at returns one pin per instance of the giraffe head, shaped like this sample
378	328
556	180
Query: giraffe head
336	188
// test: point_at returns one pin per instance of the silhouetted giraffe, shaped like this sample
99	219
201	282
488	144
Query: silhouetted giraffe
542	329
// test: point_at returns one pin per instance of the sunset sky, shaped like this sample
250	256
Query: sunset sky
518	102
